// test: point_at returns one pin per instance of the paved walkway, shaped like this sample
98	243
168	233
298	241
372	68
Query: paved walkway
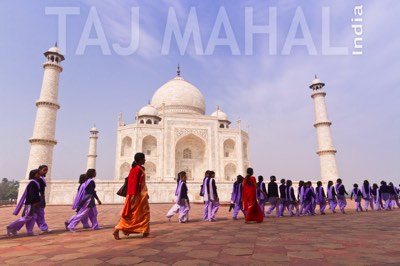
371	238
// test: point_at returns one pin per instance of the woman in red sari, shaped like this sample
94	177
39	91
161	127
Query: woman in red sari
249	198
135	216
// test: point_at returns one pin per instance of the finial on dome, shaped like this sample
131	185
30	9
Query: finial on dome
56	45
178	72
315	76
148	102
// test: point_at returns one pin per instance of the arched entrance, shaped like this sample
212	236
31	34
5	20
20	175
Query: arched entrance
190	157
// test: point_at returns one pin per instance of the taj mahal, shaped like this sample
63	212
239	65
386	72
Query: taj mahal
175	134
173	131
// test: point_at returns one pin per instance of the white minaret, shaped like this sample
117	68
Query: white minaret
92	155
43	138
326	151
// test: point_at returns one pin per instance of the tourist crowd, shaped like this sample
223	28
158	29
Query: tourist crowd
249	196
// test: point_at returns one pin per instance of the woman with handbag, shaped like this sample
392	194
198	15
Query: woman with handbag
135	216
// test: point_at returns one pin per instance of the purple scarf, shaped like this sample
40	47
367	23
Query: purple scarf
80	194
236	192
178	188
23	197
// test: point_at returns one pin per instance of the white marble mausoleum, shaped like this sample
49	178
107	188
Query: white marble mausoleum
173	131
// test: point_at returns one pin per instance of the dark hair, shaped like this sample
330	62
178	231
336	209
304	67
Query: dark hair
212	173
90	173
355	185
42	166
339	181
207	173
33	173
272	177
319	183
283	181
260	178
288	182
180	174
330	183
249	172
240	178
82	178
383	182
375	186
139	156
301	183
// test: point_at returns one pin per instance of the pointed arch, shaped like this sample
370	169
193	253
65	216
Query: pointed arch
124	170
149	146
151	170
230	172
126	146
229	148
190	156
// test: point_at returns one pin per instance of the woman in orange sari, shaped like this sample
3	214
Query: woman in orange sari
135	216
249	198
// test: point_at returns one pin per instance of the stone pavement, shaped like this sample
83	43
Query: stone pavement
334	239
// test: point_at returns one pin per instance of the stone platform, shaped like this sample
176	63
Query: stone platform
370	238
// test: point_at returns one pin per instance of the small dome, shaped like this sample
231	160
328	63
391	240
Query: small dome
179	96
54	50
220	115
316	81
93	129
148	110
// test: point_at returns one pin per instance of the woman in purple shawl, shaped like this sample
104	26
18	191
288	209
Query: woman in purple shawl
31	198
84	202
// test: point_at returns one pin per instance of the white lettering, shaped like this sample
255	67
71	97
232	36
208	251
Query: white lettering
191	28
251	29
291	40
134	35
62	13
93	20
222	21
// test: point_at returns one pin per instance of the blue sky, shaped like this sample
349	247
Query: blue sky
267	90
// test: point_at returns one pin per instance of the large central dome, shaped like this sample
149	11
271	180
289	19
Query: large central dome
179	96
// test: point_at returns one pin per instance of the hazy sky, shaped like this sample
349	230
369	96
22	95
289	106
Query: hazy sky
262	78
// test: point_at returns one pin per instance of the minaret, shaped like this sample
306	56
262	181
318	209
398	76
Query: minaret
92	155
43	138
326	151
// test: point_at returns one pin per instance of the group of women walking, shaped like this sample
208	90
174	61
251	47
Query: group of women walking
135	215
33	200
283	197
248	196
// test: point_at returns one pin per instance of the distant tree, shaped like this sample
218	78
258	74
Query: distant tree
8	189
